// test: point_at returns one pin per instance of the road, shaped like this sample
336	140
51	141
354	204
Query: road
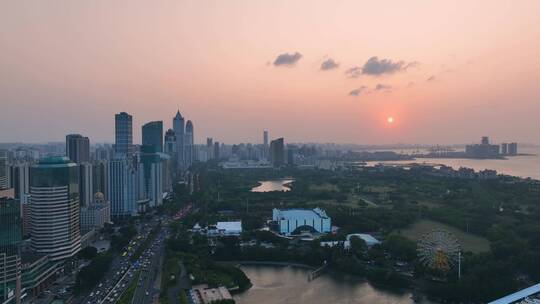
137	267
145	293
121	271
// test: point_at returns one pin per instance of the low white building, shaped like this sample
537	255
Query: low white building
202	294
367	238
226	229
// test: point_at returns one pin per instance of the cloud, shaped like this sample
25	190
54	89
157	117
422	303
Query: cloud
383	87
354	72
410	84
287	59
376	67
412	64
357	92
363	90
329	64
431	78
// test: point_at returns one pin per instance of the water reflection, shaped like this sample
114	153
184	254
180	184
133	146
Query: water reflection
277	285
273	185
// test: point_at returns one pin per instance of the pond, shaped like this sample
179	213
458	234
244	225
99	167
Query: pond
284	284
273	185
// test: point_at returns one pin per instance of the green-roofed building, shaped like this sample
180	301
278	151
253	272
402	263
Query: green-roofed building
54	208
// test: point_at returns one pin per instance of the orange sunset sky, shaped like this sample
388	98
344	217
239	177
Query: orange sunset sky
310	71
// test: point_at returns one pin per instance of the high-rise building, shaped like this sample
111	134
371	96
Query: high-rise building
277	152
77	148
512	149
4	177
20	180
10	258
86	183
209	148
188	144
54	208
178	128
216	154
100	177
104	153
78	151
170	165
123	123
483	150
266	148
504	148
151	177
170	142
152	135
122	187
291	152
167	173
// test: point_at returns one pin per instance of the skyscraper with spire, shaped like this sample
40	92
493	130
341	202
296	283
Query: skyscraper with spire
178	128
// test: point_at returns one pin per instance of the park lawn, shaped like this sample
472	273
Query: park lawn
323	187
378	189
468	242
351	202
429	203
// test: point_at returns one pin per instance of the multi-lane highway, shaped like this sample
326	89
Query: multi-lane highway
121	271
144	269
145	293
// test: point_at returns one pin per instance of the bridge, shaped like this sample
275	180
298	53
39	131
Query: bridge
317	272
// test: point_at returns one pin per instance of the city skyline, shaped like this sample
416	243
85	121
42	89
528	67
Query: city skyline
182	151
260	141
286	67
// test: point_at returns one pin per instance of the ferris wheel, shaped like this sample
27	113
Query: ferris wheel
439	250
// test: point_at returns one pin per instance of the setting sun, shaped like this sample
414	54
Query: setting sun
390	120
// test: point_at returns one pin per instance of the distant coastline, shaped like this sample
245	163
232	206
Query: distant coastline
525	165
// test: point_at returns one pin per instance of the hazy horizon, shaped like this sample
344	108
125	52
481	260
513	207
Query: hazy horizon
308	71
